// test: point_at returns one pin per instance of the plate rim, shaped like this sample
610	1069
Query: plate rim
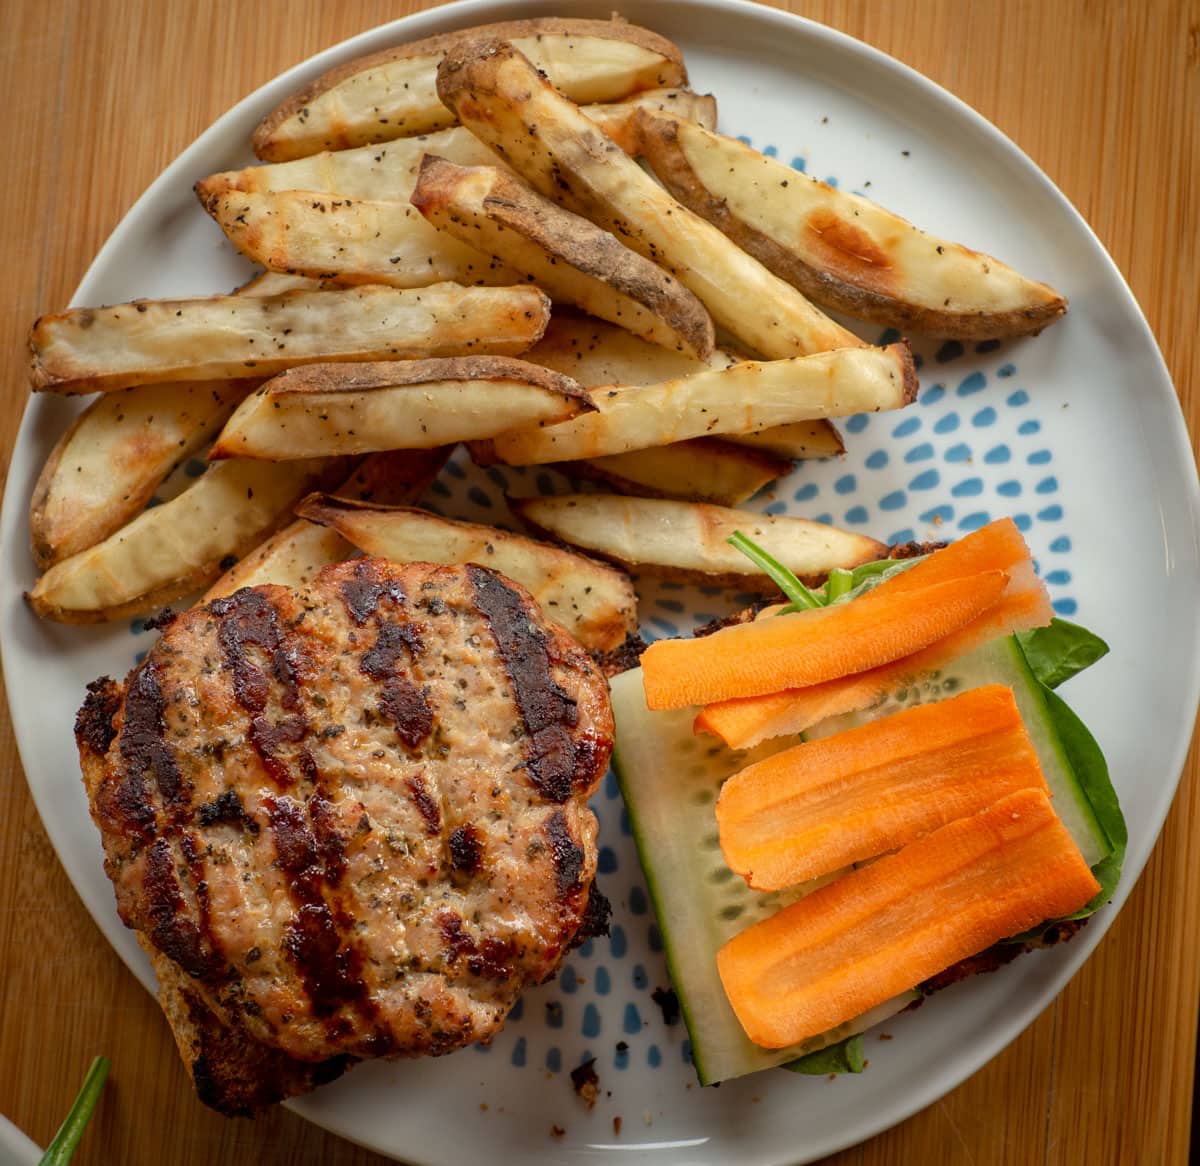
462	13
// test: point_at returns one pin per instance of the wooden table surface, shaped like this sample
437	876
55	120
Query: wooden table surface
1105	97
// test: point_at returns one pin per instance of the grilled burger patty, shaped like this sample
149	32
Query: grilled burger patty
354	816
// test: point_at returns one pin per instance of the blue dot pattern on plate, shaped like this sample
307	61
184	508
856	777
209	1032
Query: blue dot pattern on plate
969	450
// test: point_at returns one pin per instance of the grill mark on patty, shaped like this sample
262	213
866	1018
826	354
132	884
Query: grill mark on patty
175	935
144	749
466	849
194	856
226	810
400	700
248	619
362	594
405	705
566	852
332	972
490	960
331	846
94	721
266	738
546	710
430	810
325	909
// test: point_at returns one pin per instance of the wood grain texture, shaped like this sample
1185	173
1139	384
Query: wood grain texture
1103	95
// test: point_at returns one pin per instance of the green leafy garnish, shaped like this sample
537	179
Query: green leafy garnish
869	575
844	1057
841	586
1086	759
66	1140
839	583
1060	650
802	599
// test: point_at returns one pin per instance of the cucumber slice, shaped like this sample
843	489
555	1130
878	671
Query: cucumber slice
1001	661
670	778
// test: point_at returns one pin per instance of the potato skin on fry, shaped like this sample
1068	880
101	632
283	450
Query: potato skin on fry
301	126
840	249
325	409
108	464
551	143
596	353
747	397
85	350
292	556
388	170
353	241
172	549
686	540
593	601
570	257
704	470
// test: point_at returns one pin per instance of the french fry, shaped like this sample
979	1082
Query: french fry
840	249
327	409
745	398
108	464
595	353
704	470
85	350
106	467
551	143
800	440
686	540
172	549
593	601
350	240
293	556
572	259
392	94
619	119
389	170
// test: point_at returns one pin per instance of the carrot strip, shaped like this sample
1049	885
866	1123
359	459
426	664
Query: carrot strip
808	647
886	927
823	805
998	546
743	722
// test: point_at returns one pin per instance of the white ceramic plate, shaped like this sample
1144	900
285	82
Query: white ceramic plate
1077	432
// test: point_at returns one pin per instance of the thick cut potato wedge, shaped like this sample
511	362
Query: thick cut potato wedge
594	353
704	470
619	119
569	257
183	544
551	143
389	171
274	283
593	601
745	398
353	241
105	468
84	350
392	94
327	409
800	440
840	249
686	540
292	556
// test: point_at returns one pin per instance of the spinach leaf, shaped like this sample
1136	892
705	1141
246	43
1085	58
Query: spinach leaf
1090	767
1059	651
